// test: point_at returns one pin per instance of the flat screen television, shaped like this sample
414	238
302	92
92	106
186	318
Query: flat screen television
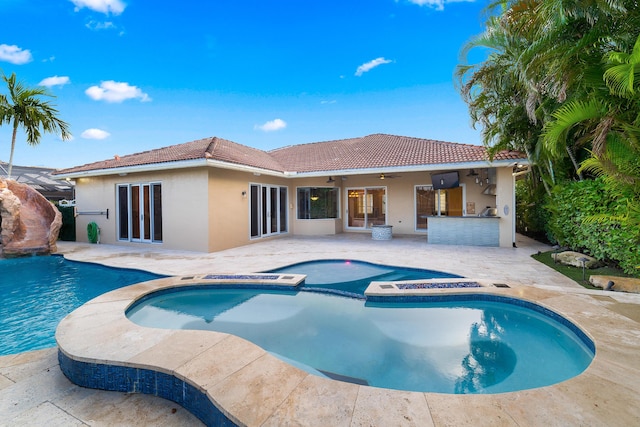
441	181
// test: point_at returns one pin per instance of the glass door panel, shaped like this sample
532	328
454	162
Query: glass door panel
425	205
283	209
255	211
157	212
265	212
146	212
376	206
355	204
274	212
135	212
366	207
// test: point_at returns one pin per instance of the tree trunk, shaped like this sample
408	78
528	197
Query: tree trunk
13	146
575	164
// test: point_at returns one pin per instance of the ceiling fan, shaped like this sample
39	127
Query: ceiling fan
388	176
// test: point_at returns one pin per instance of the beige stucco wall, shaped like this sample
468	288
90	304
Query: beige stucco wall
505	199
229	209
184	207
204	209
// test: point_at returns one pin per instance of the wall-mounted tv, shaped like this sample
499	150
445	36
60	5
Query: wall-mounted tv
441	181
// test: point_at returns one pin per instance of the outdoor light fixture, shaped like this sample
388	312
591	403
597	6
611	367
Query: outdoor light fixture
381	176
330	180
583	260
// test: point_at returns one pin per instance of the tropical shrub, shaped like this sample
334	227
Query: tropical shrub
531	214
587	216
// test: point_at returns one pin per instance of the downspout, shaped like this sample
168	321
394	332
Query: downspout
513	214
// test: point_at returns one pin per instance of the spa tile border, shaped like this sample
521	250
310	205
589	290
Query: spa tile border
146	381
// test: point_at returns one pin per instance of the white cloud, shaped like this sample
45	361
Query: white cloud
272	125
95	134
14	54
437	4
333	101
54	81
111	91
371	65
96	25
115	7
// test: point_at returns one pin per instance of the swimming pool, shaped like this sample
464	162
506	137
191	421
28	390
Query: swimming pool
348	276
37	292
465	344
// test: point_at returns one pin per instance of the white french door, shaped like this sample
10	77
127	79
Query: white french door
268	210
140	212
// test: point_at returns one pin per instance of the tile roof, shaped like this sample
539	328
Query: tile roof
377	151
372	151
207	148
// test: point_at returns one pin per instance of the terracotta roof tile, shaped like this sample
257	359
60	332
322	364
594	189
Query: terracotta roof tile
232	152
188	151
379	150
372	151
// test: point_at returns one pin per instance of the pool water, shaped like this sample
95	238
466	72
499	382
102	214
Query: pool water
472	346
354	276
37	292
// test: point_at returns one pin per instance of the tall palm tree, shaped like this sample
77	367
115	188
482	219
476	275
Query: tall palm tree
22	107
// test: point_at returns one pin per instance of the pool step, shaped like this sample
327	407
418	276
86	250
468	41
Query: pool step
344	378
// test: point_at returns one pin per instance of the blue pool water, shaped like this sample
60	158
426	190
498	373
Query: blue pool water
354	276
37	292
460	346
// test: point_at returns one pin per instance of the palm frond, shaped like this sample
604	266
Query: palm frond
554	133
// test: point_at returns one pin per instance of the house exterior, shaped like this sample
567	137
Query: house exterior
213	194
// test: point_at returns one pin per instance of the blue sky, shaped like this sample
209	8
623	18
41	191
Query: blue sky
133	75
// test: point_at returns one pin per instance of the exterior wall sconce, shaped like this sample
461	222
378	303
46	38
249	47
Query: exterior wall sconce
244	194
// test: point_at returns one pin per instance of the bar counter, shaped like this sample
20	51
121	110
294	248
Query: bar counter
464	230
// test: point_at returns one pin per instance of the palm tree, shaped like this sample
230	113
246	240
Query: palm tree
22	107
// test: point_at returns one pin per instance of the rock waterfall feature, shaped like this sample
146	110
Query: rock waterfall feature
29	222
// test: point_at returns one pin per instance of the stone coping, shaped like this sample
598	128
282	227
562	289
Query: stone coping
224	379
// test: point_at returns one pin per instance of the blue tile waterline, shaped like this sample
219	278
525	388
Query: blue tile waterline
146	381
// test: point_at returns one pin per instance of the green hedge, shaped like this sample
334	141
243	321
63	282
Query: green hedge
582	218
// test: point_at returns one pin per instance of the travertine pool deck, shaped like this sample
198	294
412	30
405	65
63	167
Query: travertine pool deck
254	388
